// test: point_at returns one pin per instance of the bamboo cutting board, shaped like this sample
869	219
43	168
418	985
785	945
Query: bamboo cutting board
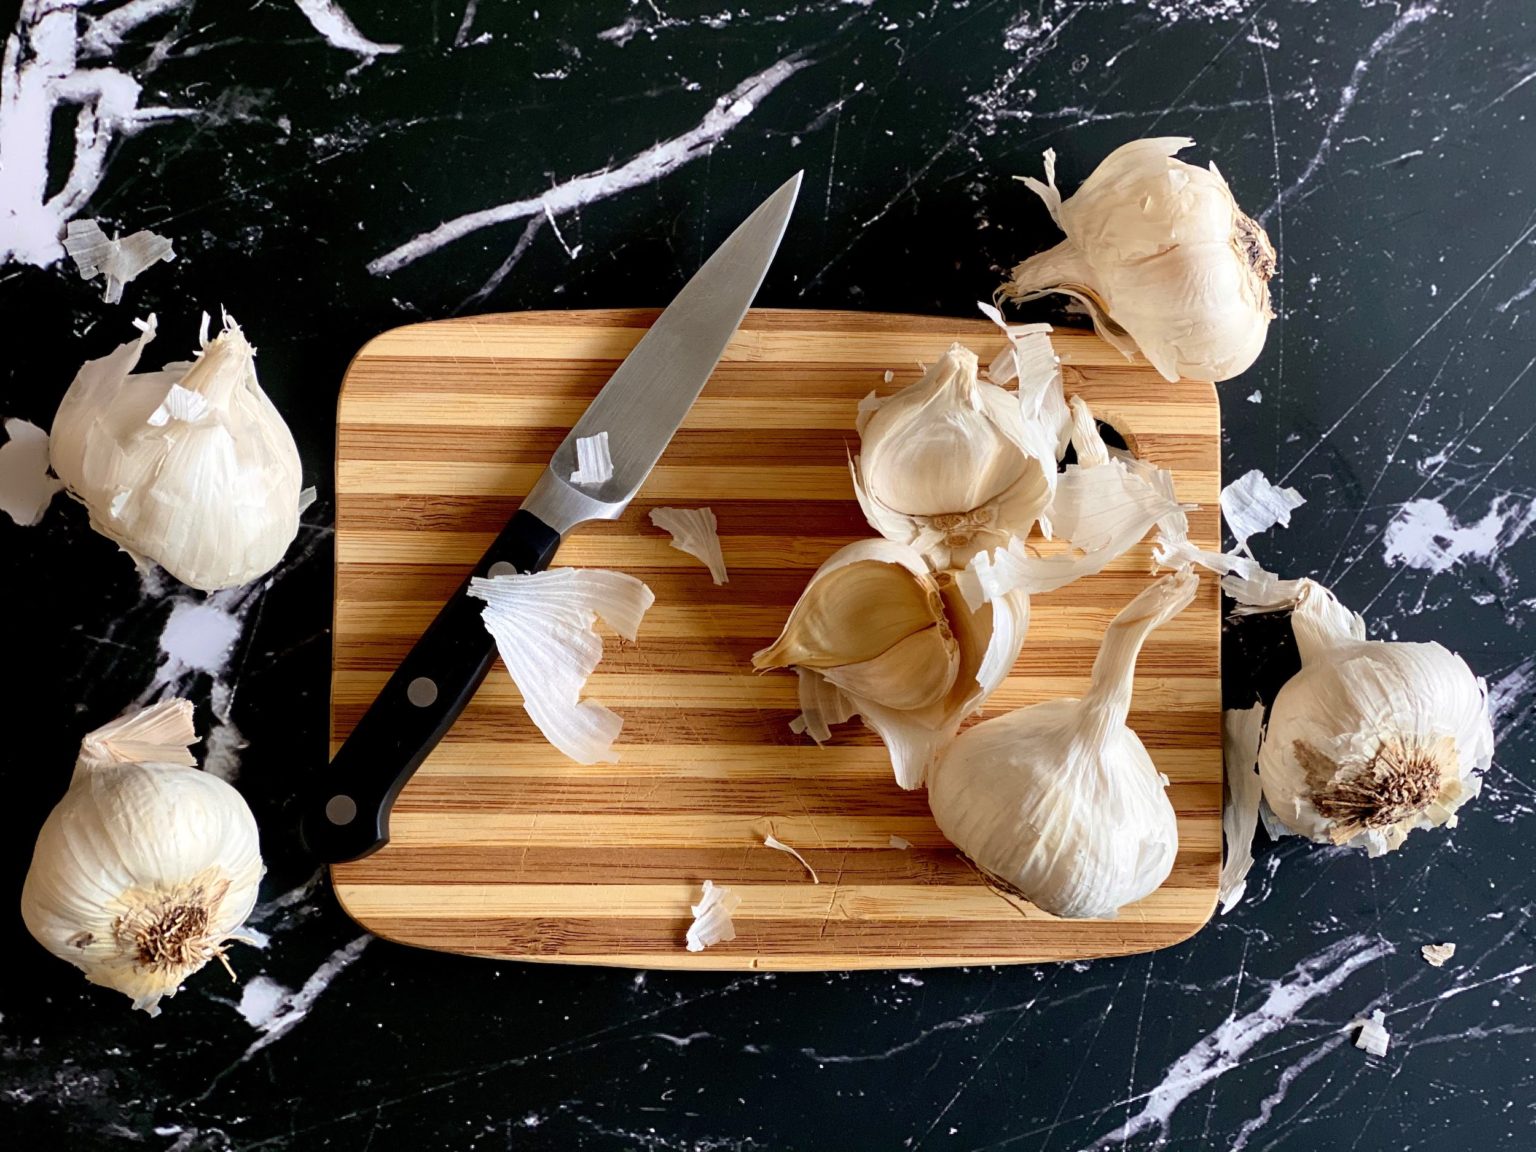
501	847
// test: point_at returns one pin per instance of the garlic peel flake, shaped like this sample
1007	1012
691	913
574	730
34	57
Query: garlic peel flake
696	532
1242	731
117	259
594	462
544	627
712	917
1436	955
1373	1035
1251	504
147	866
26	488
778	845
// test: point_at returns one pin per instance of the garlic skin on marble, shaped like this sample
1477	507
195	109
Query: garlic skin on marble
190	467
1371	739
952	465
1163	259
878	634
147	866
1060	801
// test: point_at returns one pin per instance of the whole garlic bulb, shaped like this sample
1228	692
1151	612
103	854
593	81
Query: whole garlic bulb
190	467
1162	257
878	634
1060	801
1371	739
147	865
950	465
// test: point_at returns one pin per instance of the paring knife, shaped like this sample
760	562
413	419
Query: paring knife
641	406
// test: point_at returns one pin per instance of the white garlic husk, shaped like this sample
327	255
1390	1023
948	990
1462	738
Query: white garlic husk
148	866
1371	739
190	467
877	633
1060	801
951	465
1163	259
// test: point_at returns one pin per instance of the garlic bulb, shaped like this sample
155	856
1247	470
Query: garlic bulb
876	633
190	467
147	865
950	465
1371	739
1060	801
1163	259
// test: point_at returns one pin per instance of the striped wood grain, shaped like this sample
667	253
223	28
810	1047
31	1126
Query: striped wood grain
501	847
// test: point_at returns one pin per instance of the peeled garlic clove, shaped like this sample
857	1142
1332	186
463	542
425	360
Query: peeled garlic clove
856	607
1060	801
877	634
1371	739
951	463
147	866
190	467
914	672
1162	257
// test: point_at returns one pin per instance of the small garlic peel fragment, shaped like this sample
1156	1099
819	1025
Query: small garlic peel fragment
117	259
1242	731
712	917
696	532
1437	954
1373	1037
1251	504
543	625
779	845
26	488
594	463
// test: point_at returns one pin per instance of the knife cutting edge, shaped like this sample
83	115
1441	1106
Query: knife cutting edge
640	407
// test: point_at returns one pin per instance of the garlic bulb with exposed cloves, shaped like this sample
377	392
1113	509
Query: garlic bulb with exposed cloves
147	866
876	633
1060	802
190	467
951	465
1371	739
1163	259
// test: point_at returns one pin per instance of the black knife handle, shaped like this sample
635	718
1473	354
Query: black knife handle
347	815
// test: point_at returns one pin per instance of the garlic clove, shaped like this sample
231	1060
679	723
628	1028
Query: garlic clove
913	672
915	692
865	599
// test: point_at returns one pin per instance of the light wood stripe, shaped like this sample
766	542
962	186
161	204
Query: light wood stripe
501	847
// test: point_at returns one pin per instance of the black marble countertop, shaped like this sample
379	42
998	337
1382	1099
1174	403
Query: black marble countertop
284	146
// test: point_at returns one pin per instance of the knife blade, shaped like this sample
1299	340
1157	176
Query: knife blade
346	815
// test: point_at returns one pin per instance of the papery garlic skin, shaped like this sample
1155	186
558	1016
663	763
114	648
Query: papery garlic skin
1371	739
878	634
950	465
1060	801
147	866
1162	257
190	467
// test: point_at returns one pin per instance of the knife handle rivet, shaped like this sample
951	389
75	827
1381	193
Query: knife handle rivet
502	568
341	809
421	691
